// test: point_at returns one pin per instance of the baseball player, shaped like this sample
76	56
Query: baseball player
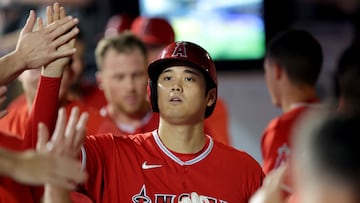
292	66
157	33
178	158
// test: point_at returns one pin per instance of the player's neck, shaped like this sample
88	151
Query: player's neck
296	94
121	117
185	139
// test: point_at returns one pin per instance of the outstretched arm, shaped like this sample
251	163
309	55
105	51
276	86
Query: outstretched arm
49	85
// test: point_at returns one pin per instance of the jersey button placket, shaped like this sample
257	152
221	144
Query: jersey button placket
185	171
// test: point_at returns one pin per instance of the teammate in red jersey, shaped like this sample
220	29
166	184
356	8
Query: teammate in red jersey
326	165
292	66
29	166
122	64
178	158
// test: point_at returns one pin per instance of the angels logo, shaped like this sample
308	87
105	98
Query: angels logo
283	154
142	197
180	50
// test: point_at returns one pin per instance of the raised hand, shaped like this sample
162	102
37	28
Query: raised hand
55	68
54	162
38	48
67	138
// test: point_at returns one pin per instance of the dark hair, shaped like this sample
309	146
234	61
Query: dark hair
122	43
348	77
334	148
299	54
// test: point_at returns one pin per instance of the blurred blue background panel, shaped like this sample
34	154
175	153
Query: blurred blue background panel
229	29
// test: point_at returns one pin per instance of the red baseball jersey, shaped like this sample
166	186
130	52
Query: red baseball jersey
16	120
150	122
93	96
216	125
276	140
9	189
139	168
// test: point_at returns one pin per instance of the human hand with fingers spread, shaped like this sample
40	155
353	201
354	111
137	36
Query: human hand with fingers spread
55	68
65	142
37	48
41	47
52	163
67	138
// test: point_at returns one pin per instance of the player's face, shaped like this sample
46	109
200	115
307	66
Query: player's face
181	95
270	78
124	80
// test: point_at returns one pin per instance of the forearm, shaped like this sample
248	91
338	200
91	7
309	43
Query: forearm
44	109
7	162
11	65
53	194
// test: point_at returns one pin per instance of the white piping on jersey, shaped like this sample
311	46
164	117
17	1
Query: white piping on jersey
83	157
175	158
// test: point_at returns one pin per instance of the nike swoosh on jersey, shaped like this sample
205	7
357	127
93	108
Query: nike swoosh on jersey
148	166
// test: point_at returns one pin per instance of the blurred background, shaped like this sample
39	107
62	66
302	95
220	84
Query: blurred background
235	32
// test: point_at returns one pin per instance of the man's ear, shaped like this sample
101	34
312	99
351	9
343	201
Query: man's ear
99	79
278	71
211	97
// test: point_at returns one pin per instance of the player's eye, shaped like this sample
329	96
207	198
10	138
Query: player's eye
189	79
167	78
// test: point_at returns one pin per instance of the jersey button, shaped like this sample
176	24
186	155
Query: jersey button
184	185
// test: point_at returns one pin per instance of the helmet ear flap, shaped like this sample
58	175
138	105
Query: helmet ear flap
153	96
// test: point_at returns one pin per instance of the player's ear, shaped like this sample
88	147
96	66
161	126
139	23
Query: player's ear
278	71
211	97
99	79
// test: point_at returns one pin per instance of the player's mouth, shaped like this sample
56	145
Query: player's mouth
175	99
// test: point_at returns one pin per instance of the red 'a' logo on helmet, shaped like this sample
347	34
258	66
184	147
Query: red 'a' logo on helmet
180	50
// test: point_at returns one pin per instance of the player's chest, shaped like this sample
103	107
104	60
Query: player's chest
163	180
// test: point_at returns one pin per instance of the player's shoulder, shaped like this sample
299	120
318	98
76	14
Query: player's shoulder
235	155
285	120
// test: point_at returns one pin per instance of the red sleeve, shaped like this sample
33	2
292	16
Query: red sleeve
95	153
6	196
9	141
44	109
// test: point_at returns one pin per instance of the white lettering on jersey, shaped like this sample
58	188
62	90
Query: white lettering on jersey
168	198
283	154
148	166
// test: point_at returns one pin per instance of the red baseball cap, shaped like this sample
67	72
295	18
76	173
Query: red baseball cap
117	24
154	31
